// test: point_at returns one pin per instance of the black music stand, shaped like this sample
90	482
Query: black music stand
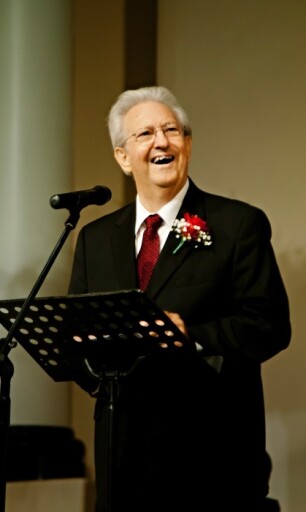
94	340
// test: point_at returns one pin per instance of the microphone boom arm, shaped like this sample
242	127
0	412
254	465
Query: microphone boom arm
8	343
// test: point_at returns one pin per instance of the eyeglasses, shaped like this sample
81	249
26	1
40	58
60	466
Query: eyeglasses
147	135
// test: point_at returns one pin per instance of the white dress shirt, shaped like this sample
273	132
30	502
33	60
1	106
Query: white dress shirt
168	213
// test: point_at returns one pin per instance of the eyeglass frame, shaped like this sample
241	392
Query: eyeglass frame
181	131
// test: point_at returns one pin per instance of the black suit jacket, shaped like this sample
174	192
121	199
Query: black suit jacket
232	299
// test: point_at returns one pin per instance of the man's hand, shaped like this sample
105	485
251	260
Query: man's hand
178	321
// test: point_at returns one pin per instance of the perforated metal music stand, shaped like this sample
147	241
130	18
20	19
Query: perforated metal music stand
93	339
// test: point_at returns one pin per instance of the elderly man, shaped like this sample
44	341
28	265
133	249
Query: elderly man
191	432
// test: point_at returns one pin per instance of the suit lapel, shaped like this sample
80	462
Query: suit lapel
168	263
123	248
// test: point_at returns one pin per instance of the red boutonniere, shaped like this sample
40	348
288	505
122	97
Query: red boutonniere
191	229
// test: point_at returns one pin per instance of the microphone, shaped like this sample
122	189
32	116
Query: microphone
78	200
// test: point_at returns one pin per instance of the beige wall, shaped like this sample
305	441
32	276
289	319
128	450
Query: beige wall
98	79
239	68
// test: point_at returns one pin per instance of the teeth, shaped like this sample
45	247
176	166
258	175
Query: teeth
163	159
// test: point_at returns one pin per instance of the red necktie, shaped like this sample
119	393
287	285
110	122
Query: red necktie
149	251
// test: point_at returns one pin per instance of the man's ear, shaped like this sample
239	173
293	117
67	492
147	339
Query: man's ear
123	159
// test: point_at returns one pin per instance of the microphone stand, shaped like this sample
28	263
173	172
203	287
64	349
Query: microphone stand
6	344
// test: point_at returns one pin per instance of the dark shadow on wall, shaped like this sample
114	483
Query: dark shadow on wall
140	55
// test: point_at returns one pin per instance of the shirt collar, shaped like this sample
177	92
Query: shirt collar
168	212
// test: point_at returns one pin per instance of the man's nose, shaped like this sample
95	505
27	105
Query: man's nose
160	137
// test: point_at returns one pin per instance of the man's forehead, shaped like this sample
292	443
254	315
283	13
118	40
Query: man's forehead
148	113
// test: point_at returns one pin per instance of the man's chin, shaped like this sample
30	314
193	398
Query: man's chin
165	176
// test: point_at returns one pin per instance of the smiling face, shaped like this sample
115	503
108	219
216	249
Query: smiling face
159	165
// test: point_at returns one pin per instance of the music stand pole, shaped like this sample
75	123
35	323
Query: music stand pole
6	344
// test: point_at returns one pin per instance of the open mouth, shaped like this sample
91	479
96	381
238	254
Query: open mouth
162	160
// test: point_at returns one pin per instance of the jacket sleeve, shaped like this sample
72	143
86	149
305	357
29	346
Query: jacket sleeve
256	322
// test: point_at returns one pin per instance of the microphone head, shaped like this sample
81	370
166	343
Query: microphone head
55	201
82	198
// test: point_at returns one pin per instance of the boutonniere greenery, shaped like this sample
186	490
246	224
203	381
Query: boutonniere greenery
191	229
